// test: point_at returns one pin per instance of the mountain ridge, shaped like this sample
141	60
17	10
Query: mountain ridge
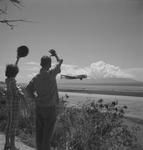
103	81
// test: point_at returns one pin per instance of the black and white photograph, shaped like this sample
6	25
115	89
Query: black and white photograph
71	74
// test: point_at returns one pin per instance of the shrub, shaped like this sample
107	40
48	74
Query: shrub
94	126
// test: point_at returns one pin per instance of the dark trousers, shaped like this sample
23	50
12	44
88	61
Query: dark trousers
45	121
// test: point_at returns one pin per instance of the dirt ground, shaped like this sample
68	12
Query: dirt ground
19	144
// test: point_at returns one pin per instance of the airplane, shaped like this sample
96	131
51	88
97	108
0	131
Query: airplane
74	76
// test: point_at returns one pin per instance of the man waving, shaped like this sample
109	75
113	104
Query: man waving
43	87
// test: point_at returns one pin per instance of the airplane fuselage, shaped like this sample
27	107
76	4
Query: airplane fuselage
74	77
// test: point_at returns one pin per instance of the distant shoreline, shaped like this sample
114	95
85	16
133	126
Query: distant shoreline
120	93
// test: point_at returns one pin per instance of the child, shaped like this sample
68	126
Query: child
14	94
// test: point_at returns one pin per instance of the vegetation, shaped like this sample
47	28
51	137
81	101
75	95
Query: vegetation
4	4
92	126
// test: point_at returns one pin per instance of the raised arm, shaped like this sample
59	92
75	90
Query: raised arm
54	53
59	61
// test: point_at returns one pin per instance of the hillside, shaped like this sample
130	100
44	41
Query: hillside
103	81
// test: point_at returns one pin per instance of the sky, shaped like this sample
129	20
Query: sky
100	38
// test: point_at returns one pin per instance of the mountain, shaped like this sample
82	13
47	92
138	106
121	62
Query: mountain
119	81
103	81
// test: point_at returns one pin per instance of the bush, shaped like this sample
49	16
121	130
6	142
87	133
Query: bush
94	126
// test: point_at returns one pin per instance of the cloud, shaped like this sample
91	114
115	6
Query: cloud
96	70
72	69
32	68
32	63
101	69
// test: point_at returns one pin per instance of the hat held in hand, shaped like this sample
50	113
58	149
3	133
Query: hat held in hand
22	51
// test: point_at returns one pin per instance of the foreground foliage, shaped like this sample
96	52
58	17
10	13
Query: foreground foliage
92	126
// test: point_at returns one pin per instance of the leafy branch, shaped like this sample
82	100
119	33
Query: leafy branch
10	22
16	3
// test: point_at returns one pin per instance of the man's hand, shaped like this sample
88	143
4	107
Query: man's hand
52	52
